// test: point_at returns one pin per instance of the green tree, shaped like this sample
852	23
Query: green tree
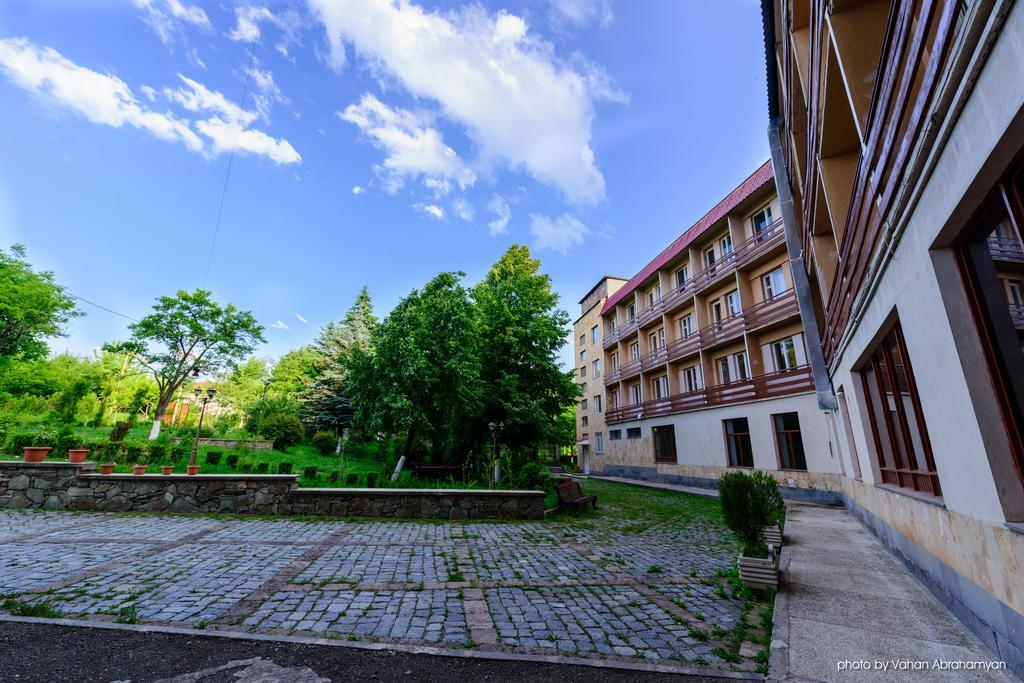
295	371
242	385
188	334
421	377
524	388
32	307
326	404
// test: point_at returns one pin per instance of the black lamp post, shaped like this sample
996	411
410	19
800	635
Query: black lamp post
202	411
495	427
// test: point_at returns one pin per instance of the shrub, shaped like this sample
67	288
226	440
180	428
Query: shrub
285	430
284	468
351	479
19	440
333	476
776	506
325	443
532	476
120	431
232	460
262	467
179	452
747	510
213	457
245	467
309	473
65	440
135	454
157	453
371	479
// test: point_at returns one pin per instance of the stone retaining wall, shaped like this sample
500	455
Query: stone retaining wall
65	486
255	444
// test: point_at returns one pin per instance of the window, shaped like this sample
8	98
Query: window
894	412
597	368
585	421
732	300
653	296
682	276
583	387
583	356
664	443
686	326
725	244
597	403
737	442
787	438
723	370
631	312
583	371
709	257
784	354
634	351
611	327
660	385
613	399
583	404
739	362
583	339
773	284
761	220
594	334
615	361
657	339
598	442
716	311
634	394
1015	292
614	434
632	432
688	379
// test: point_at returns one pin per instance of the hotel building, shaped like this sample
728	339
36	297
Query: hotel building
897	135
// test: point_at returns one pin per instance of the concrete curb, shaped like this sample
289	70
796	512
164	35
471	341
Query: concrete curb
409	649
778	657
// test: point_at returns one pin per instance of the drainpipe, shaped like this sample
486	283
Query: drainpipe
802	288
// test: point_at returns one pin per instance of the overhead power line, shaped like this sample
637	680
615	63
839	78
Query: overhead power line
102	308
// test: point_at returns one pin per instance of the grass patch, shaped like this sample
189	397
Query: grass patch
44	609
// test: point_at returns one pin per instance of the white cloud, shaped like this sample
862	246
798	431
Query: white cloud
358	189
107	100
149	92
166	17
502	213
298	316
413	148
101	98
463	209
557	234
279	324
265	92
431	210
581	13
516	99
248	27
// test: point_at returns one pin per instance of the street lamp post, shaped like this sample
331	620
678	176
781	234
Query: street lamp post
202	411
495	427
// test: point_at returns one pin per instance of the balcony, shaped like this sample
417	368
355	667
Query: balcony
743	253
1017	316
771	310
773	385
681	348
1005	249
630	369
723	331
654	359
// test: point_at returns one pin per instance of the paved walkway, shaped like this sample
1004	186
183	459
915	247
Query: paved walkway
602	588
692	490
850	600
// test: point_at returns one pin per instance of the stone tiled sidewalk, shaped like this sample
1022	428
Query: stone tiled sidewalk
554	588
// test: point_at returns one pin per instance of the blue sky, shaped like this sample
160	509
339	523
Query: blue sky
378	143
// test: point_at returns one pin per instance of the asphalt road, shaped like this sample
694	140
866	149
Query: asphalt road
55	653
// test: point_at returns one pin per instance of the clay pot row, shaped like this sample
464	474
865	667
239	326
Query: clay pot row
139	470
39	453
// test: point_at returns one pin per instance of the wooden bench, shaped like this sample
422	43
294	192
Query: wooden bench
435	472
571	496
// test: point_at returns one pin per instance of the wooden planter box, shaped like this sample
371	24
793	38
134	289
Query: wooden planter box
759	573
773	536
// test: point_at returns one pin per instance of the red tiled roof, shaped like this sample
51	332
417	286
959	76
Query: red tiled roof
748	187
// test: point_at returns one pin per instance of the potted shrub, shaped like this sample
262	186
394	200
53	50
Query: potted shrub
78	455
776	508
107	468
36	453
747	510
192	470
166	469
138	469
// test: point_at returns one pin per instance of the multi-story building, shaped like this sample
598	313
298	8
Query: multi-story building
897	134
590	429
704	357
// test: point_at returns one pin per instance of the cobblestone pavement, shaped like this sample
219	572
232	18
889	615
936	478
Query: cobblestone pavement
601	588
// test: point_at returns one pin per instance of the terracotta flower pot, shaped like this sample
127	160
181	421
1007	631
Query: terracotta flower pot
107	468
167	469
138	469
193	470
78	455
36	453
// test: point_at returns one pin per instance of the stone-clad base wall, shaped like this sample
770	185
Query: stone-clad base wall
63	486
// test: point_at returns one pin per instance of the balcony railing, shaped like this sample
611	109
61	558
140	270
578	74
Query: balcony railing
770	310
1017	316
654	358
683	347
785	383
1005	249
724	330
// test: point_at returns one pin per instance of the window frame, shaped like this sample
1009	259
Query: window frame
786	435
662	436
731	434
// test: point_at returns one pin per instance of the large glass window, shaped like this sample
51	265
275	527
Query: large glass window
664	443
737	442
761	220
789	441
784	354
598	442
594	333
682	275
686	326
894	411
688	379
774	283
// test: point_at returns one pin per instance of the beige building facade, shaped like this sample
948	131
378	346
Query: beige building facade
897	137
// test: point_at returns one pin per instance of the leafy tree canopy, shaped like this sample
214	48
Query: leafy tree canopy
32	307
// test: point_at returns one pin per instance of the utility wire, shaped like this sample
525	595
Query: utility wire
102	308
231	159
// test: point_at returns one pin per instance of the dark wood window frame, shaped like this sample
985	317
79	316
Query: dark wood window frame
899	465
789	437
739	442
664	438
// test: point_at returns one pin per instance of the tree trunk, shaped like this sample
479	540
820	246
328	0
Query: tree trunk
161	409
155	431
